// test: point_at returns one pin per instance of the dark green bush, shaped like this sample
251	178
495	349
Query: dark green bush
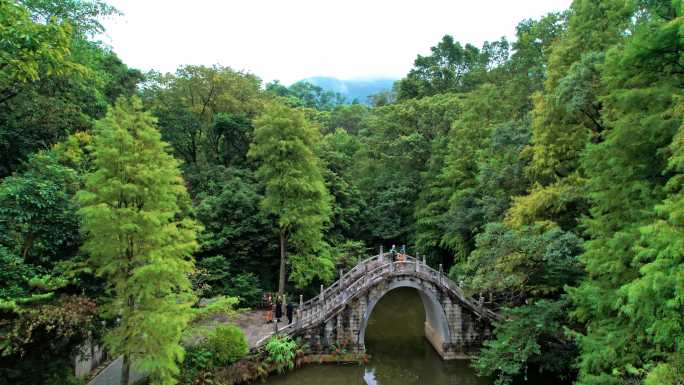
198	363
246	287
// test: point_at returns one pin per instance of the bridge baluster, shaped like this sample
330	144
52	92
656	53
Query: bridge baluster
440	273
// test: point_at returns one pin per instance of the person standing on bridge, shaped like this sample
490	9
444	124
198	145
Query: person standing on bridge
289	311
393	252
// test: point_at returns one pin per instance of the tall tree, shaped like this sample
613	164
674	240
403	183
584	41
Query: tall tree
204	111
284	144
630	296
451	67
131	209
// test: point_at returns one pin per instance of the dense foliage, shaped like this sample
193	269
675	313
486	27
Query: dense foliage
545	173
130	208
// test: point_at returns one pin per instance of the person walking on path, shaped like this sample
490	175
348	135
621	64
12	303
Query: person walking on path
268	303
290	311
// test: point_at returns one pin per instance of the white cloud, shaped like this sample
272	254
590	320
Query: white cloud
291	40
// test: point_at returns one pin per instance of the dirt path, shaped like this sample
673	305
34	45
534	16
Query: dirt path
252	323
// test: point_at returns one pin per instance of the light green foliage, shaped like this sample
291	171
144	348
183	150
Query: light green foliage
130	213
629	257
82	15
41	110
655	298
566	113
284	145
558	203
228	343
217	306
30	50
482	158
281	352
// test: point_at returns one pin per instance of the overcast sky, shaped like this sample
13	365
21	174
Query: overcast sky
294	39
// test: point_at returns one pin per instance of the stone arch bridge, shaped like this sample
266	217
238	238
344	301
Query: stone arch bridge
455	324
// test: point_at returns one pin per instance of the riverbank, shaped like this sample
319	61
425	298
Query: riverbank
255	367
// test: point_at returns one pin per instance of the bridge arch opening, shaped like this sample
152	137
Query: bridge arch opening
435	325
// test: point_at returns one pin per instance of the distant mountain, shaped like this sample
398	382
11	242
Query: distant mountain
359	89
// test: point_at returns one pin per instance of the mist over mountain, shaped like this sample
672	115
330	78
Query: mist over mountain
355	89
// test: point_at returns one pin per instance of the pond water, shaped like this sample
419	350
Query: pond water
400	354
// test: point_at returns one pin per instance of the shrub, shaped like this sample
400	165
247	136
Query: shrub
281	352
197	365
228	344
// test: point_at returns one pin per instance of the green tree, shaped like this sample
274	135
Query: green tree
46	104
629	255
397	146
525	270
204	112
131	209
338	152
654	301
83	15
236	227
30	50
284	144
451	67
306	94
567	113
37	216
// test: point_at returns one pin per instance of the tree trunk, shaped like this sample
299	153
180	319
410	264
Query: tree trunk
281	281
125	370
126	365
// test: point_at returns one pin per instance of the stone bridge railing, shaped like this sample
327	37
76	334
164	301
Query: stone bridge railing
365	275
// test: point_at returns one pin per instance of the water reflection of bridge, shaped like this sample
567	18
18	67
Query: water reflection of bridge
455	324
